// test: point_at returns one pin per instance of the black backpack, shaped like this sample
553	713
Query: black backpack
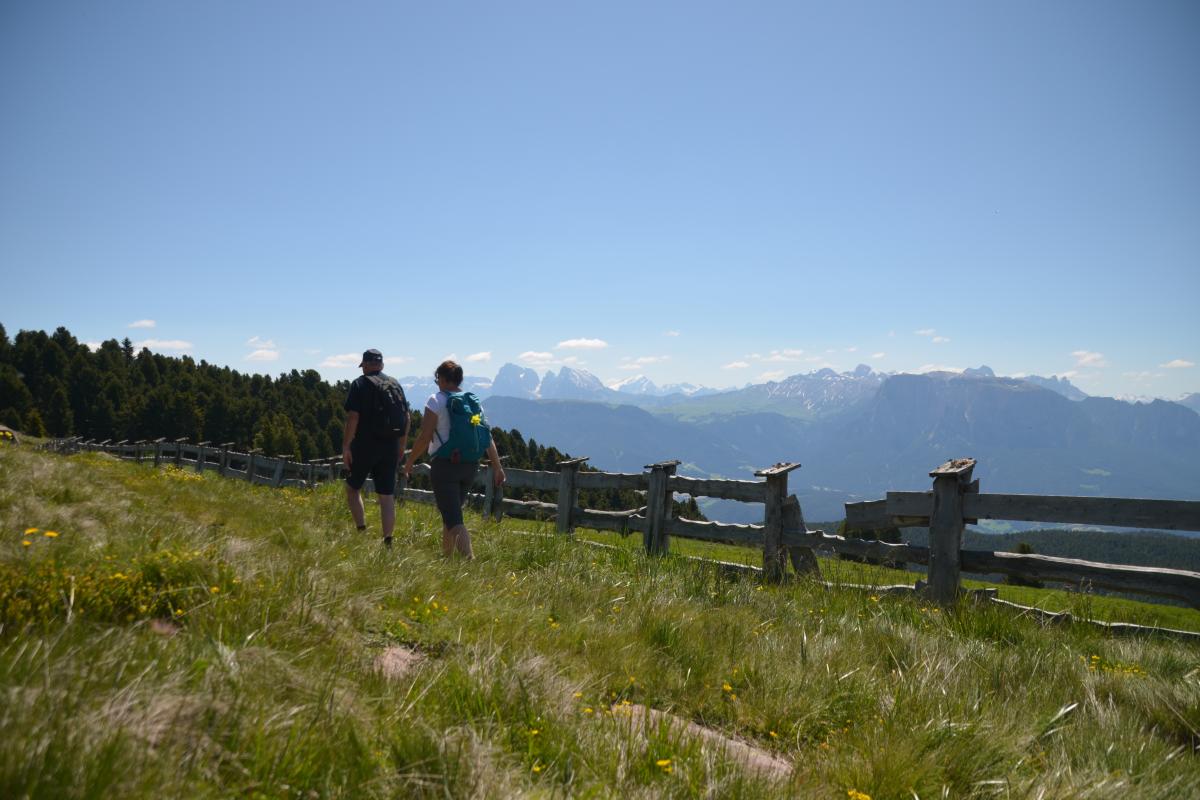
391	407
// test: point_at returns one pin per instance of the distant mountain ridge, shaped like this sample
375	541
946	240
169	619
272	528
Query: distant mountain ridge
1027	439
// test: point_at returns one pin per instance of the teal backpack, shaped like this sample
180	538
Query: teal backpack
469	431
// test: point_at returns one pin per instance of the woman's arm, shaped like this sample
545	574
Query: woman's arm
494	457
428	426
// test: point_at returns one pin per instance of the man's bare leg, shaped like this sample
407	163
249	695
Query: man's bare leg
387	515
354	500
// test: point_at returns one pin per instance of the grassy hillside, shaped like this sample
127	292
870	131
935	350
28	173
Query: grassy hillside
191	636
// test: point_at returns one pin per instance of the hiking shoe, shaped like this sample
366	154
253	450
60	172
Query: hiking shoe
387	542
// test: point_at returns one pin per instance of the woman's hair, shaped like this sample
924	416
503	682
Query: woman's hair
450	371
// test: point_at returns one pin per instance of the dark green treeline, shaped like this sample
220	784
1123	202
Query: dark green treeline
54	385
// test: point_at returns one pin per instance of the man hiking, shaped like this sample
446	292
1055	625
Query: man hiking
377	420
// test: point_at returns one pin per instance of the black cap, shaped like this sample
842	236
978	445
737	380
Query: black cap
371	356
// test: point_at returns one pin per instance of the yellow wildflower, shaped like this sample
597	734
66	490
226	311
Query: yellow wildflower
663	762
538	767
50	534
727	687
475	419
854	794
26	542
588	710
773	734
31	531
214	589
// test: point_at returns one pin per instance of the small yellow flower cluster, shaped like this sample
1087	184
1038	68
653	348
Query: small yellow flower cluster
26	541
175	473
854	794
418	611
665	765
1097	664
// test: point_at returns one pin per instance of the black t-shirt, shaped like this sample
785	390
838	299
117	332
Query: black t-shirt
363	399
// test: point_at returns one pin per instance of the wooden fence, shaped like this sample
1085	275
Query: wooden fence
953	502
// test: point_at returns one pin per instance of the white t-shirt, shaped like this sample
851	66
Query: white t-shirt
437	404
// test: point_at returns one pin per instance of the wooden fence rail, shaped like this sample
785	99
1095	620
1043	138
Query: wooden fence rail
953	502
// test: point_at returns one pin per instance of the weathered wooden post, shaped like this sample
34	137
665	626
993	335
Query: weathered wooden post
179	450
250	458
774	557
804	560
950	481
658	507
202	455
568	494
277	478
223	466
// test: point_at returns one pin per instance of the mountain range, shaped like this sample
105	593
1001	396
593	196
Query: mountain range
861	433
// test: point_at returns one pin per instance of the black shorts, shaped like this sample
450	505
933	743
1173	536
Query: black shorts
451	482
376	458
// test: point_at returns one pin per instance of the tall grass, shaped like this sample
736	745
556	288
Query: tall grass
236	655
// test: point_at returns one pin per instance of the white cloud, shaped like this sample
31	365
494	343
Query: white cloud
582	344
486	355
638	363
342	361
93	346
773	375
852	349
940	339
177	345
263	354
891	334
534	358
1178	363
1085	358
877	356
778	356
572	361
925	332
143	323
936	368
736	365
670	333
258	341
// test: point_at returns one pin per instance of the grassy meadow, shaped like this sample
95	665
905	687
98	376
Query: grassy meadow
184	635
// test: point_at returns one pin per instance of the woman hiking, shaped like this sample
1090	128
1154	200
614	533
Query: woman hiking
451	435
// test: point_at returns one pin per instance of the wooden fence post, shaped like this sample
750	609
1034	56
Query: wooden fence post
950	482
774	557
179	450
277	478
223	467
804	560
250	463
568	494
658	507
202	455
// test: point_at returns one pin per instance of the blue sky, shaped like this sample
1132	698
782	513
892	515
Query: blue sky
707	192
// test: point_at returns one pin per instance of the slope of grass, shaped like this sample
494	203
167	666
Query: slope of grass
188	635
